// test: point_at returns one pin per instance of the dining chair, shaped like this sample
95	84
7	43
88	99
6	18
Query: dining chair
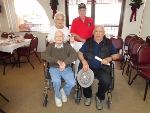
143	62
118	43
11	35
28	51
4	56
28	35
4	35
148	39
125	48
133	56
127	59
126	42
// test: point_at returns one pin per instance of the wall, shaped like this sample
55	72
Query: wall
134	26
146	26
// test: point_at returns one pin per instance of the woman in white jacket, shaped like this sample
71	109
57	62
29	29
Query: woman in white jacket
59	19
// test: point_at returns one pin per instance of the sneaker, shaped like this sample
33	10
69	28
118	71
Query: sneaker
58	102
63	95
99	104
87	101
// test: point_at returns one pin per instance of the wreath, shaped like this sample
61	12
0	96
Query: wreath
135	4
53	4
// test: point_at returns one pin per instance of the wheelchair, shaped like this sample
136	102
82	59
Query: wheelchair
78	89
48	81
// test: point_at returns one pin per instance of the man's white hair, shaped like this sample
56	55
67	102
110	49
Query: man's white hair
59	31
100	26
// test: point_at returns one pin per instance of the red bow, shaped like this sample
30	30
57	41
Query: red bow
134	9
54	8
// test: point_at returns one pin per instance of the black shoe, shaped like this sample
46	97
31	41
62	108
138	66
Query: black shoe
87	101
99	104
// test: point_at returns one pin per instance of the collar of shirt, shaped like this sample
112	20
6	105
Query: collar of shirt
81	19
61	46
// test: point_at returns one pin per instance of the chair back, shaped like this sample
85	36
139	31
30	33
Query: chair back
127	39
28	36
144	54
131	42
136	45
4	35
117	42
11	35
33	44
148	39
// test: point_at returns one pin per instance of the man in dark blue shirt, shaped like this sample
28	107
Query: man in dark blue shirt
100	46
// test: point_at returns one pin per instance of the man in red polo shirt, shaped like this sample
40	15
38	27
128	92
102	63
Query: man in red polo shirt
81	29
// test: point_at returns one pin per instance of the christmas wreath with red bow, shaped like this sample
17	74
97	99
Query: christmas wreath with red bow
135	4
53	4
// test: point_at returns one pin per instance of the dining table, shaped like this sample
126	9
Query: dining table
10	46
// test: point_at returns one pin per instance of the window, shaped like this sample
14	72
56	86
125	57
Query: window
105	12
31	16
108	14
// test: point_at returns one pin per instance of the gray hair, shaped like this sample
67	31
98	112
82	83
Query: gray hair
59	13
100	26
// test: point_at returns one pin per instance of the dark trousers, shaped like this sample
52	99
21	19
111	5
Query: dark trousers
103	85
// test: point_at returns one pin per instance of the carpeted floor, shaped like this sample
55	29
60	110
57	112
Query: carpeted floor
24	88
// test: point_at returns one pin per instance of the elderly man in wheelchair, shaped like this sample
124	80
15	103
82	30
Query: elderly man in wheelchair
60	55
94	48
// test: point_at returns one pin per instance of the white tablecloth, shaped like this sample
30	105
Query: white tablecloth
10	48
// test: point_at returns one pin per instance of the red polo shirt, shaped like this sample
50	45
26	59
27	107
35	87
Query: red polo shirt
83	29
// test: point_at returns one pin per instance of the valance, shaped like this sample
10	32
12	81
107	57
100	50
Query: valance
74	2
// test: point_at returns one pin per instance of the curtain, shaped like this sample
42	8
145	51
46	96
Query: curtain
71	2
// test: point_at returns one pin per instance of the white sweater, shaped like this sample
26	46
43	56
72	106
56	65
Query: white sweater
52	31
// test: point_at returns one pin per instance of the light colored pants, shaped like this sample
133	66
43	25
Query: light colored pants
77	46
67	75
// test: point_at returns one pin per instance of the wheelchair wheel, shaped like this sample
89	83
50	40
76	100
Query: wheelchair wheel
108	102
45	99
78	94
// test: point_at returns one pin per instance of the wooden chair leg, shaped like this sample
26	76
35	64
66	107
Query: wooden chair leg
4	97
6	100
2	111
4	63
133	79
124	65
146	88
37	57
30	62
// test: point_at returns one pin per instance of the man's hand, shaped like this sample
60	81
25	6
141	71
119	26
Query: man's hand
77	37
59	62
85	66
106	60
62	66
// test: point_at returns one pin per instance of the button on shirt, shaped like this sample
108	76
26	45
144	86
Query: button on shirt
95	63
